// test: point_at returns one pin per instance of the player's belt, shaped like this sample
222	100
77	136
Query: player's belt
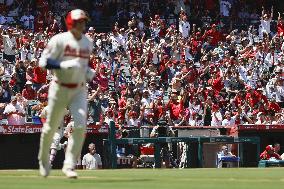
70	85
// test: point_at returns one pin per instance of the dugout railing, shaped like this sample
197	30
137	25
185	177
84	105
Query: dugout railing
111	143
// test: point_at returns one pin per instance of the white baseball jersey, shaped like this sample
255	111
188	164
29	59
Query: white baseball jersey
64	47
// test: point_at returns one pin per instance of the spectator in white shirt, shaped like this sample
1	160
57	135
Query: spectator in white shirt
123	38
279	89
15	112
260	54
260	118
92	160
146	102
216	116
192	120
271	59
184	27
133	119
10	46
265	23
278	119
109	115
153	91
229	120
195	106
116	40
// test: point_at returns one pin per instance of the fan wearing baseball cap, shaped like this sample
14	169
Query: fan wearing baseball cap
269	153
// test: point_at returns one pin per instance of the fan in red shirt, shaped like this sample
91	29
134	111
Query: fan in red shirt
39	22
280	25
269	153
251	96
40	44
102	78
239	99
163	69
39	75
273	106
122	105
196	43
163	29
261	96
26	39
28	92
175	108
214	34
192	73
216	82
159	109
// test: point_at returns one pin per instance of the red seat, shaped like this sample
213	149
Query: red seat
147	150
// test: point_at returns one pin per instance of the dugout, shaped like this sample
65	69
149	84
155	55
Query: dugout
268	134
19	151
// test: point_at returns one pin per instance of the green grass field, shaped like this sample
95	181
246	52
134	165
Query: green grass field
147	178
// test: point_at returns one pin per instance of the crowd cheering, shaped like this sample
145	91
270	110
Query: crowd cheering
184	64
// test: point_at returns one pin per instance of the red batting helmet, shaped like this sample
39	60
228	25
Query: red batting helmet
74	15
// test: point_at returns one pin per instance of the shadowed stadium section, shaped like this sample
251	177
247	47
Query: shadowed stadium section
21	150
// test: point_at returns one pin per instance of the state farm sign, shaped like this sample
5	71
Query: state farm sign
14	129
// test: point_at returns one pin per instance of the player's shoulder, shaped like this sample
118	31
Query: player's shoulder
60	36
86	38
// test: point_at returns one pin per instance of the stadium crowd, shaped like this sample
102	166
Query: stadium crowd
195	63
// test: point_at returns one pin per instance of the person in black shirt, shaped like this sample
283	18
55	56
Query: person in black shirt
207	112
20	74
163	130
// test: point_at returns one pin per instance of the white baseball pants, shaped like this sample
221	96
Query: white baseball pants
59	98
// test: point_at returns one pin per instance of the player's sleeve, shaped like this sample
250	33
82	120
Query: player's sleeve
50	55
91	73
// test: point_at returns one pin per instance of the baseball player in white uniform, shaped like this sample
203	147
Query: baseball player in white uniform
67	54
55	145
67	133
